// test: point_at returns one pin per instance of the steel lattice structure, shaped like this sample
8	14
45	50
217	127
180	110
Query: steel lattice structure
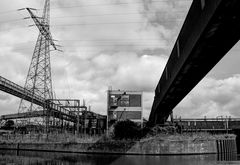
39	80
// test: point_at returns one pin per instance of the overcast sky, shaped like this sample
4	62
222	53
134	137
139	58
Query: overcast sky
120	43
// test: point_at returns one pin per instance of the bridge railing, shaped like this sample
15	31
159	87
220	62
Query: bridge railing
19	91
17	88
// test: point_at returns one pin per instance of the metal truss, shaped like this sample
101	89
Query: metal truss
39	80
71	105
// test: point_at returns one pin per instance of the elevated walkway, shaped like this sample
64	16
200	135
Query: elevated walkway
210	30
53	109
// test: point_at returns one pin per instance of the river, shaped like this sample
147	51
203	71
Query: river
53	158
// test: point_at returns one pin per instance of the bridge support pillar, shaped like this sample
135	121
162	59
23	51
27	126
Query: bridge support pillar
159	120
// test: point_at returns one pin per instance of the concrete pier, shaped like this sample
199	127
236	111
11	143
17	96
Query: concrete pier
152	146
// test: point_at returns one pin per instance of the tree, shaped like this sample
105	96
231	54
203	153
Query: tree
9	124
126	130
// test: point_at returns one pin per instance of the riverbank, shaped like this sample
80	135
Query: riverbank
162	144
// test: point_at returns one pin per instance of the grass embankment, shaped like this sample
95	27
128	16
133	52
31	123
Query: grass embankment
124	131
187	137
71	138
50	138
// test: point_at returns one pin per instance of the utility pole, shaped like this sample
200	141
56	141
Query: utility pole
39	79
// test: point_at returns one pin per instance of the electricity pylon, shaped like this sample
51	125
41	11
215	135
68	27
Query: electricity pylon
39	80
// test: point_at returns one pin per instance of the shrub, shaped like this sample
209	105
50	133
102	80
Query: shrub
158	129
9	125
126	130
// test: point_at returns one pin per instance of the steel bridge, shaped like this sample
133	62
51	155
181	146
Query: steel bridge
18	91
210	30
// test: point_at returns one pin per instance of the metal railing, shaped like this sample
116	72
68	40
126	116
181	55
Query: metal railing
21	92
17	88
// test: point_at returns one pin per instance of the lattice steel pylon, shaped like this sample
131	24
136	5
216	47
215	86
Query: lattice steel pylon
39	80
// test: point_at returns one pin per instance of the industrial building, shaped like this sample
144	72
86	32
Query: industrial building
123	105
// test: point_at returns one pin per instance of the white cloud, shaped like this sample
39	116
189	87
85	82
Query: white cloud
101	53
104	51
90	78
212	98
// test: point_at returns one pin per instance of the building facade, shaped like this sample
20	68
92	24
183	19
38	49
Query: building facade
123	105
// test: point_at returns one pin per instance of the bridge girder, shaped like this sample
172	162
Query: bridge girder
210	30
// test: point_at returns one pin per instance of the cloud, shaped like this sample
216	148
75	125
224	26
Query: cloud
147	103
212	98
166	15
4	97
125	46
91	78
7	103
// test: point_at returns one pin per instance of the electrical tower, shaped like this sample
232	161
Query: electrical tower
39	80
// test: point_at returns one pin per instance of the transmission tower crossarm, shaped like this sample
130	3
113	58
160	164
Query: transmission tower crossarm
39	79
43	28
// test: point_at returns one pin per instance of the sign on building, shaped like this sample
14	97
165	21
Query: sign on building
124	105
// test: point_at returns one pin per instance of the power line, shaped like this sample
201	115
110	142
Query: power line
111	40
92	24
164	21
101	23
119	45
65	25
119	14
156	46
15	28
8	11
105	4
105	41
109	14
101	46
13	20
122	3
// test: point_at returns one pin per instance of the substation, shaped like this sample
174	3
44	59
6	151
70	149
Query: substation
38	110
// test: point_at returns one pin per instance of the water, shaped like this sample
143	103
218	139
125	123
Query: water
53	158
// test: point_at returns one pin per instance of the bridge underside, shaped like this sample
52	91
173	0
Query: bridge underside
210	30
